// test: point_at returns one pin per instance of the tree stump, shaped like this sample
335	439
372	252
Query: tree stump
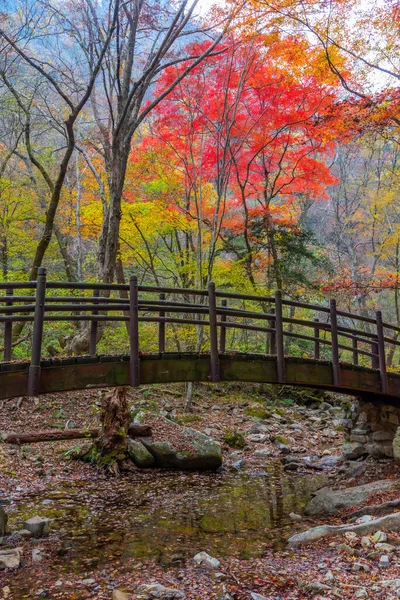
114	418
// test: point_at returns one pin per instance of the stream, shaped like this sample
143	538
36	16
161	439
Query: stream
168	516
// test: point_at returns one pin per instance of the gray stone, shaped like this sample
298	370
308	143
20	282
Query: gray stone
317	586
10	559
23	533
375	449
356	437
352	450
89	581
255	596
37	555
396	447
329	577
330	502
257	437
183	448
295	517
139	454
384	561
204	559
38	526
156	590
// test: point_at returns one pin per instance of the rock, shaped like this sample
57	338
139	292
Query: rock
89	581
179	447
202	558
295	518
350	535
293	466
379	536
10	559
355	469
263	452
255	596
349	550
283	448
384	561
329	577
330	502
352	450
359	567
38	526
257	437
3	522
239	464
362	593
317	586
396	447
37	555
139	454
365	542
118	595
23	533
156	590
390	522
382	547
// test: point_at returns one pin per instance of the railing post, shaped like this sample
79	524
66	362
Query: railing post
161	328
222	333
316	342
34	368
280	354
8	330
212	310
355	352
272	335
381	352
375	357
335	344
93	327
134	331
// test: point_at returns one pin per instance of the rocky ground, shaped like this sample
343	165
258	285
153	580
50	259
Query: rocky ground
260	437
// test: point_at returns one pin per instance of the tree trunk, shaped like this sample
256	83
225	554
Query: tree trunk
111	443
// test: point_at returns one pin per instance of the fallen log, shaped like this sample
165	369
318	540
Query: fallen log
389	522
52	435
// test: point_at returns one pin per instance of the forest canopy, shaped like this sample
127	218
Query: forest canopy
256	145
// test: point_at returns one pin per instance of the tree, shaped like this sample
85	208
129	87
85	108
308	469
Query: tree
48	58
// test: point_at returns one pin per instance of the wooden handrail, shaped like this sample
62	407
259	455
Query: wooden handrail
169	307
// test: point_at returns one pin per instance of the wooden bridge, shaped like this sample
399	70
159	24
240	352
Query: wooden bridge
330	352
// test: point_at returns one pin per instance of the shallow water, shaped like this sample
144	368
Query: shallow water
169	516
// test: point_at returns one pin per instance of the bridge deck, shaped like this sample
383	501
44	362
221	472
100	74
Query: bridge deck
83	372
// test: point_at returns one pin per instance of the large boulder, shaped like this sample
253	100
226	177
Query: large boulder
330	502
177	447
38	526
139	454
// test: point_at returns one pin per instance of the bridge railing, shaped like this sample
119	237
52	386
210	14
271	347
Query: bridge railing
322	332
